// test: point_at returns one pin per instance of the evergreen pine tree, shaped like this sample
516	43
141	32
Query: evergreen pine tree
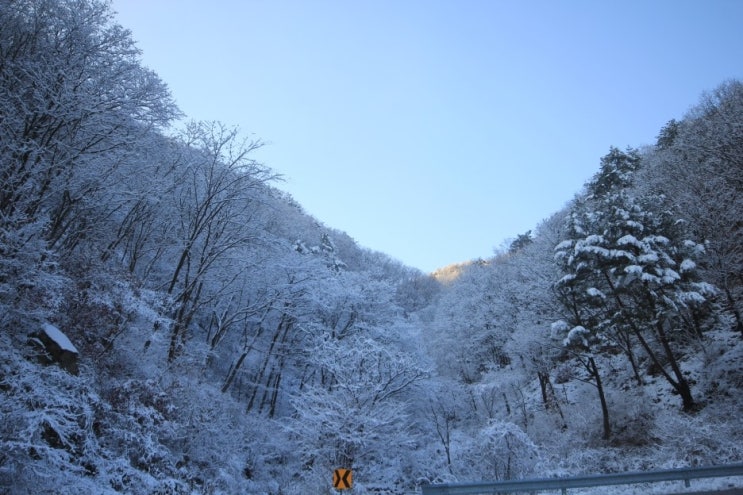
630	278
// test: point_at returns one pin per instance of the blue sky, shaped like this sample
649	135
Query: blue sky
435	131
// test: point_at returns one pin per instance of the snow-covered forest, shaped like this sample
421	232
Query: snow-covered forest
173	323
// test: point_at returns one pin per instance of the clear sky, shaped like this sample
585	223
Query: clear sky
434	131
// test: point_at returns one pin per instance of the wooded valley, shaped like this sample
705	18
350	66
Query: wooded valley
173	323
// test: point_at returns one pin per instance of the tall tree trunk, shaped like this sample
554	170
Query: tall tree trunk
679	383
593	370
183	316
275	394
257	383
625	342
682	385
232	373
734	309
543	381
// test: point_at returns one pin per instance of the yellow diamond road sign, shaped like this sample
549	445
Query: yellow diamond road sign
342	479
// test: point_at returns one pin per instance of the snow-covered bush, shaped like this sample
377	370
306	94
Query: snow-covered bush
47	433
499	451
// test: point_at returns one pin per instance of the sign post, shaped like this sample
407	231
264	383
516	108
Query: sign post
342	479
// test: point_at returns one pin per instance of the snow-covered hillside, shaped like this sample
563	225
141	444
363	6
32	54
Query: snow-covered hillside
172	323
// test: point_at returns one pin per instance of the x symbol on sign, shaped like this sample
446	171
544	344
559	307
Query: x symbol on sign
342	479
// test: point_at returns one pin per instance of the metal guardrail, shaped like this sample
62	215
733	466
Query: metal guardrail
563	484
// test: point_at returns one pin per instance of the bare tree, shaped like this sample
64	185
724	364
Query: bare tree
72	94
214	199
